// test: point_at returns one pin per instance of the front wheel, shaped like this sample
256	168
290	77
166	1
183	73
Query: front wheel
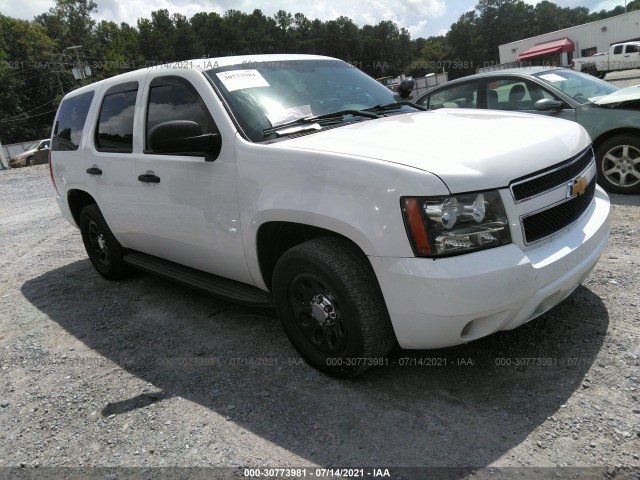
29	162
104	251
331	307
618	162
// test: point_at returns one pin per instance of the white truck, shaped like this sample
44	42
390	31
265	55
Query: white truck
298	182
621	56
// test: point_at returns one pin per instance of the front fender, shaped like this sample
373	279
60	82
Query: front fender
356	197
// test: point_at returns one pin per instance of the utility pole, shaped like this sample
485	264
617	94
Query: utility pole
79	71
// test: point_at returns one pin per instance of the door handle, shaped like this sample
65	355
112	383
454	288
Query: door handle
149	178
94	171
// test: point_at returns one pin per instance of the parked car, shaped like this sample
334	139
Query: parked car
610	115
297	181
621	56
36	153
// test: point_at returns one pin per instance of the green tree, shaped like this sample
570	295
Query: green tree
69	22
25	103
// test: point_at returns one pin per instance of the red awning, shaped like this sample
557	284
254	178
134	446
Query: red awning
549	48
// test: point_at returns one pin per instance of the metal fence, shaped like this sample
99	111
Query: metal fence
428	81
14	149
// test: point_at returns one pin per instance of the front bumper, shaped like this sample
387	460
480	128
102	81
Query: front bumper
444	302
17	162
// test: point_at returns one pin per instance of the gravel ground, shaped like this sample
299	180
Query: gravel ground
146	373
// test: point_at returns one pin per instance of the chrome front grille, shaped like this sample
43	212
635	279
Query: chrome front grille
552	199
544	180
542	224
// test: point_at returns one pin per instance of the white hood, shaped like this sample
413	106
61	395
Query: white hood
622	95
468	149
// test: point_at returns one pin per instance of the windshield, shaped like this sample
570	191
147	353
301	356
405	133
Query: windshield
265	94
32	146
581	87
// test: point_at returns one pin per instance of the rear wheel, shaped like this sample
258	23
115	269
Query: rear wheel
590	71
331	307
618	162
104	251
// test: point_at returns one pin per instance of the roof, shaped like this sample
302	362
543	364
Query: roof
200	64
548	48
508	71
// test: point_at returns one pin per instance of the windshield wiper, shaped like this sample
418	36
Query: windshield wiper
394	106
316	118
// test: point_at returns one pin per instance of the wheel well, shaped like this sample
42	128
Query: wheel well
78	199
612	133
275	238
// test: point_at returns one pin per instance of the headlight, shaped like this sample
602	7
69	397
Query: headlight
440	226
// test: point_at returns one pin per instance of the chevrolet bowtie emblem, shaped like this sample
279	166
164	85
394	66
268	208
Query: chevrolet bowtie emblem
576	187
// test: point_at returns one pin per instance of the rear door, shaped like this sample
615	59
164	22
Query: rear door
187	209
110	163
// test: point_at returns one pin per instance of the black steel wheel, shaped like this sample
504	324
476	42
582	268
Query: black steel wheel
104	251
331	307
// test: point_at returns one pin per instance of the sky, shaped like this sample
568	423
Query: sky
423	18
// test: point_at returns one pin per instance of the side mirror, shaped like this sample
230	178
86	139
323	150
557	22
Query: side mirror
406	87
184	137
548	104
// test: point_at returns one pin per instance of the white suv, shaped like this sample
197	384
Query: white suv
297	181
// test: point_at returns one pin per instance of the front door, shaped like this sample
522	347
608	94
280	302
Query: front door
187	209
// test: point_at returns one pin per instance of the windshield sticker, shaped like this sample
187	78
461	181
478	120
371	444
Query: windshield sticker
552	77
241	79
284	115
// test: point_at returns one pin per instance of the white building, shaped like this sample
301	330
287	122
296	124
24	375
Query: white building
560	47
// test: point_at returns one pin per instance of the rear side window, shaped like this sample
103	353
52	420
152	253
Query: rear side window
115	123
72	115
460	95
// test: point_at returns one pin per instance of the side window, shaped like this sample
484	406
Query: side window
514	94
115	123
618	50
72	115
632	49
423	100
172	98
463	95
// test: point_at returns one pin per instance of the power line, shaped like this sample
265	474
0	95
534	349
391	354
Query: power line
27	118
29	111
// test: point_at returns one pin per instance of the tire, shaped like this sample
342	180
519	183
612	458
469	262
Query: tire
29	161
330	280
618	162
601	75
104	251
591	71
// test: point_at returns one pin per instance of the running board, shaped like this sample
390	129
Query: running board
218	286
